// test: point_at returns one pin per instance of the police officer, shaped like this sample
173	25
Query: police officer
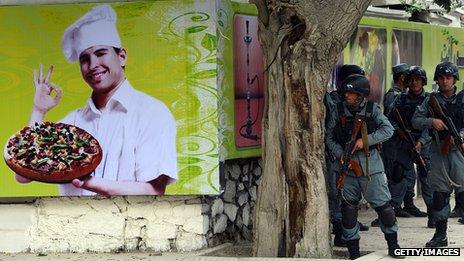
330	101
390	146
399	86
403	176
446	166
372	184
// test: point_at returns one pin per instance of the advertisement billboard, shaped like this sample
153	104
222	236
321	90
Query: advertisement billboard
139	77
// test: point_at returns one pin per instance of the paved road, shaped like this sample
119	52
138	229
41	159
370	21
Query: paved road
413	232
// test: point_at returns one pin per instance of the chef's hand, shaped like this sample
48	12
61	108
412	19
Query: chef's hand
21	179
111	187
43	98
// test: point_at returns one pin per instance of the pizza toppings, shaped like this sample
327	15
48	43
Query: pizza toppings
48	147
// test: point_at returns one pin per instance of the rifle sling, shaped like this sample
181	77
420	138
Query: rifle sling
364	137
432	112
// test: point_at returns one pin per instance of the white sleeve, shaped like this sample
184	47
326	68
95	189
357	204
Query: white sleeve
155	152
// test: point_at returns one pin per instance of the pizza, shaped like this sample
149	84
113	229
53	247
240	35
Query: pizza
52	152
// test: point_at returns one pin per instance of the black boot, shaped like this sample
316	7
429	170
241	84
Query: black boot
412	209
375	223
439	239
399	212
353	248
392	242
337	231
363	227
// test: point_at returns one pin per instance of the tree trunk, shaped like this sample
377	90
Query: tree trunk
301	42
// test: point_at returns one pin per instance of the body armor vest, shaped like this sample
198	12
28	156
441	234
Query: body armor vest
345	124
406	107
453	109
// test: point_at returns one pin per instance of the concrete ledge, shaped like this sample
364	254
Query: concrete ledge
103	224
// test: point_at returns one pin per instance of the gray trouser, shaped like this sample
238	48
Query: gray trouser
399	169
426	190
443	169
410	177
405	189
399	190
375	191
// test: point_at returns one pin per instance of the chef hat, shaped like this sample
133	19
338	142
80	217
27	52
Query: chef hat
96	27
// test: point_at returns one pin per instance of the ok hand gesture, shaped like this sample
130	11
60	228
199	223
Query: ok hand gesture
43	99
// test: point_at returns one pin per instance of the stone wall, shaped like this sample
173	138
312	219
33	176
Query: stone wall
231	214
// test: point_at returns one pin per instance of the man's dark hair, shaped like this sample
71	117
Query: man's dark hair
118	50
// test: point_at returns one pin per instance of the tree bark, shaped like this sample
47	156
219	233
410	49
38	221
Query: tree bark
301	42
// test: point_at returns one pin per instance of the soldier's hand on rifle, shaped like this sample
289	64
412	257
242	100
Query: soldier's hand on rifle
342	161
418	146
358	145
439	125
401	134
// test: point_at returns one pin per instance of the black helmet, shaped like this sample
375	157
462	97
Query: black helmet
400	68
357	83
345	71
349	69
419	71
446	68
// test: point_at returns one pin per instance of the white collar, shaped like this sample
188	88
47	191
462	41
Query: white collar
122	96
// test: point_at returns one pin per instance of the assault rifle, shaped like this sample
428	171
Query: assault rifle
440	113
415	153
348	162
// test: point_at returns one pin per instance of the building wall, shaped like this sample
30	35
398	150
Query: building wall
65	224
108	224
135	223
